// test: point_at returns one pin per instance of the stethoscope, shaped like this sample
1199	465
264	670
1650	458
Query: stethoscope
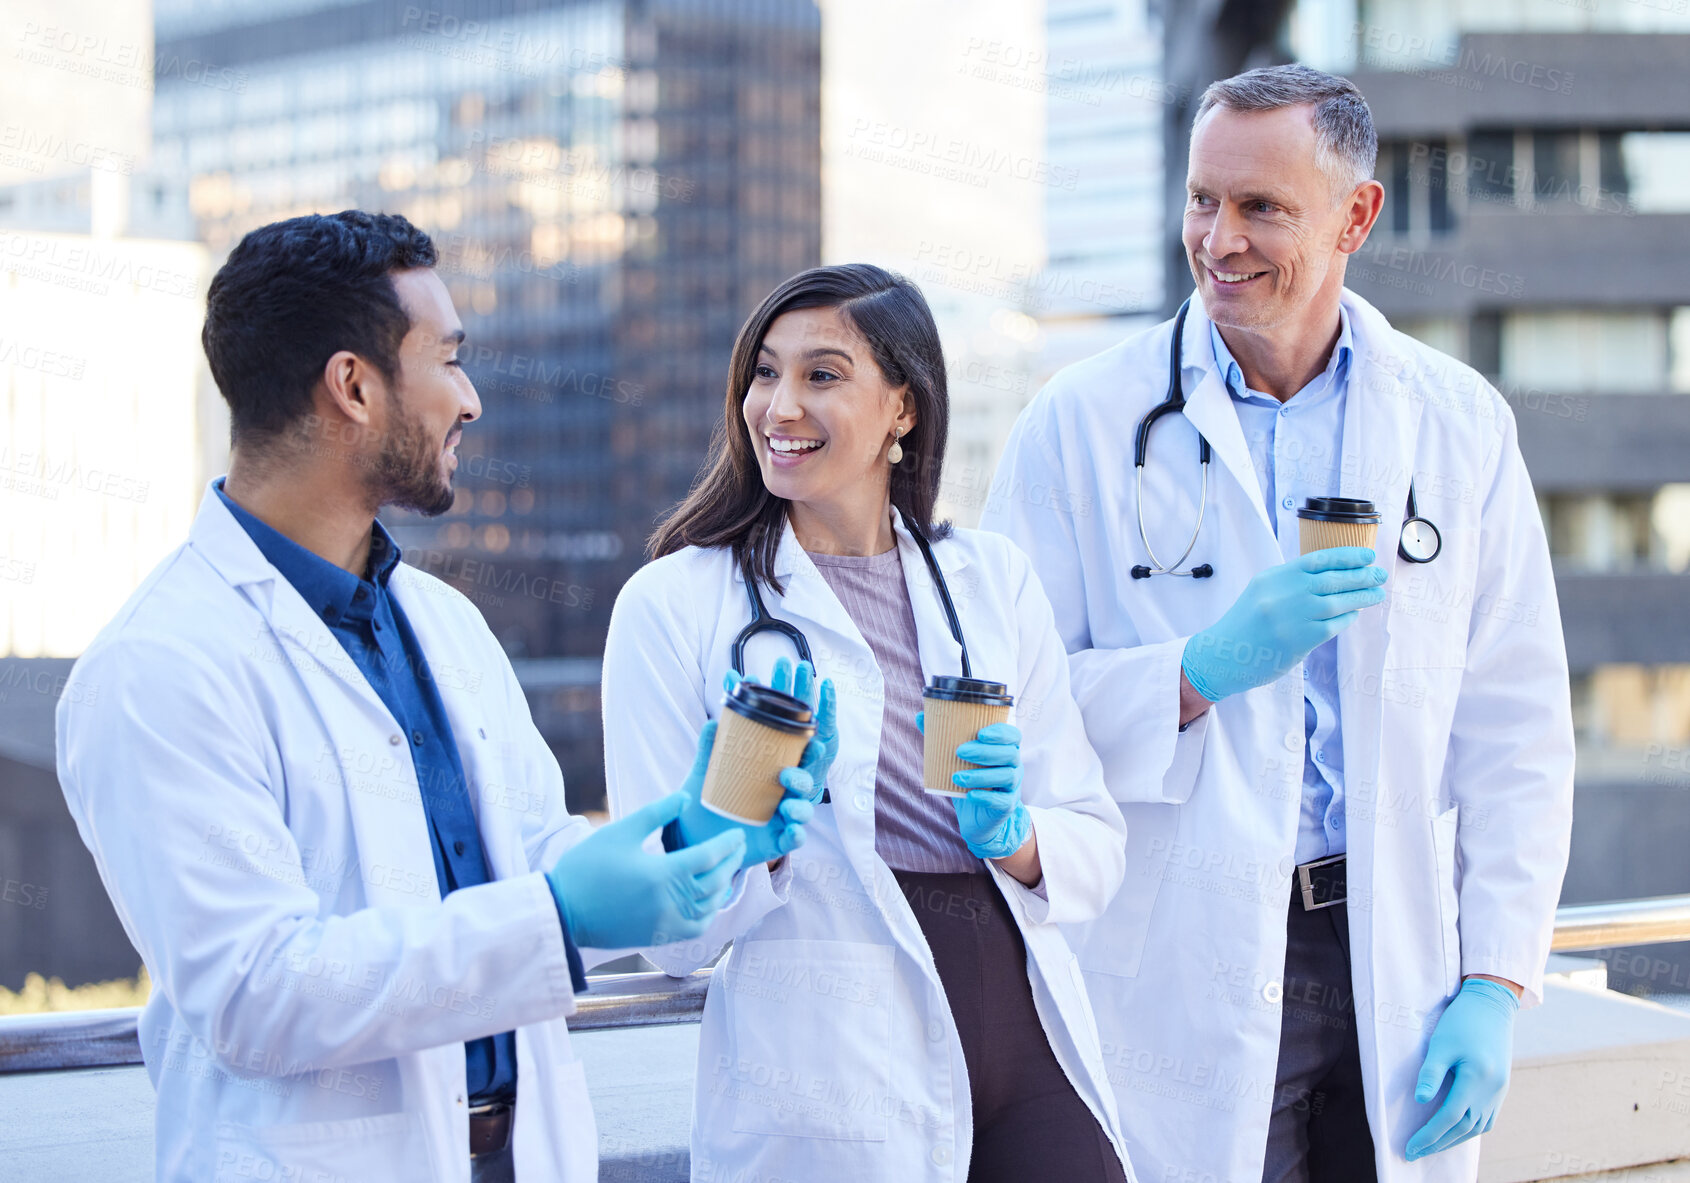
762	621
1419	541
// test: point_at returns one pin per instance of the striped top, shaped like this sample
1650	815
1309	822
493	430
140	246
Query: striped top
914	830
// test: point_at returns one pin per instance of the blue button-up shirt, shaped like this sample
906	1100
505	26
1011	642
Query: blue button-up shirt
372	628
1297	450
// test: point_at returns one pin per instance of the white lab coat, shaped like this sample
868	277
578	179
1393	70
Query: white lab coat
255	815
1458	743
828	1050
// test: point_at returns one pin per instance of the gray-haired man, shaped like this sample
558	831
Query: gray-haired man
1347	823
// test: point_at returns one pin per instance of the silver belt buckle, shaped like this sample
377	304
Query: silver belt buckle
1306	883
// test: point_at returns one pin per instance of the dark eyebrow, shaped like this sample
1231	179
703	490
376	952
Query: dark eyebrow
1243	199
454	339
820	351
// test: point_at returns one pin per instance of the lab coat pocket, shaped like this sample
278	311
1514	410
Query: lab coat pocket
1114	943
1443	847
391	1146
810	1025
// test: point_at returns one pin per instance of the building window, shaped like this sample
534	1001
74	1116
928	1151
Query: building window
1415	174
1648	170
1490	166
1639	707
1597	350
1610	532
1555	165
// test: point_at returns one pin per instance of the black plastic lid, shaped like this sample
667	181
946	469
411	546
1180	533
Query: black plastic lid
969	690
1339	509
770	707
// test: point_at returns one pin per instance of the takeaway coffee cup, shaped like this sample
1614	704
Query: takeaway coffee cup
1337	521
760	732
955	709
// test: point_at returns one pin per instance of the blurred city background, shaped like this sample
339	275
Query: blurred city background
614	185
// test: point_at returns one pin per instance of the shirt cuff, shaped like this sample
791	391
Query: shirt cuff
577	971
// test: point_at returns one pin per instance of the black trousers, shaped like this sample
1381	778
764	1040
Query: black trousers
1029	1123
1318	1132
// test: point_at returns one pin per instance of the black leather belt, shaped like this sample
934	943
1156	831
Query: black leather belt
490	1128
1322	883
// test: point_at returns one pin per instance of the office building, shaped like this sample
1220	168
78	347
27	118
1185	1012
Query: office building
1536	159
612	187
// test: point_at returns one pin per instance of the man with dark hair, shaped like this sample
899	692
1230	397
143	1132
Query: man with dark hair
312	787
1347	821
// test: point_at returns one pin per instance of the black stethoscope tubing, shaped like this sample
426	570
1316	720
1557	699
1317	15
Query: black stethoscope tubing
1418	542
763	621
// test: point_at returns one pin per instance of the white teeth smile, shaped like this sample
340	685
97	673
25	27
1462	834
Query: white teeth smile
790	446
1234	276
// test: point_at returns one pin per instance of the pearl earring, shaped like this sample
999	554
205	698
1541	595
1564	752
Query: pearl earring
896	452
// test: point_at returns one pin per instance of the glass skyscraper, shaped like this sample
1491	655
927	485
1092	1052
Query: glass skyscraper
612	186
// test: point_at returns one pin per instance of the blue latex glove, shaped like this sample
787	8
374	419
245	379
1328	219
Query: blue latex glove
1474	1041
614	894
820	752
1282	615
782	834
991	817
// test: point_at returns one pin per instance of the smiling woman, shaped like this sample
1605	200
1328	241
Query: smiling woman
857	347
904	969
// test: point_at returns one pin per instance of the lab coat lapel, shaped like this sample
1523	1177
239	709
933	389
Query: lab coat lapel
1210	409
1381	425
369	754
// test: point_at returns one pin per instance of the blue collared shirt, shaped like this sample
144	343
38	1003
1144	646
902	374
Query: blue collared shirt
373	630
1297	450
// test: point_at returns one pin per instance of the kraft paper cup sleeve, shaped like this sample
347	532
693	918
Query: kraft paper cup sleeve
742	780
946	724
1319	535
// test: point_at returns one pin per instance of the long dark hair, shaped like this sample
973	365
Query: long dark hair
730	506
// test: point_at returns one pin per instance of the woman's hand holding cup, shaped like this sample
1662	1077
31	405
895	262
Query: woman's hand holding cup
819	753
990	815
779	836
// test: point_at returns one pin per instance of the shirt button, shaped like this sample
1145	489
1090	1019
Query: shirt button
393	739
458	846
1338	822
935	1031
941	1155
864	801
1320	757
416	738
1293	741
360	594
1273	992
1286	503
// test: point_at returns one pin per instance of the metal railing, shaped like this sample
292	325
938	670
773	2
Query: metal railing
108	1038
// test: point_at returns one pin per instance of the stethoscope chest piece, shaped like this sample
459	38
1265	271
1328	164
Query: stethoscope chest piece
1420	541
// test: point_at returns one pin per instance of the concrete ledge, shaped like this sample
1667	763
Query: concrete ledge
1601	1094
1601	1084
